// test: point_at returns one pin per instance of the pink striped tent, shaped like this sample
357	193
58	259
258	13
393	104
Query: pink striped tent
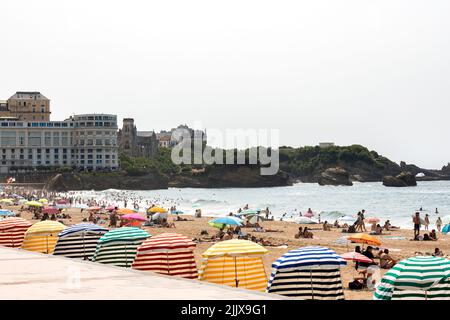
12	232
167	253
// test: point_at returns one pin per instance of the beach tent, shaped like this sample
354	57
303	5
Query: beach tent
42	236
119	246
12	232
79	241
168	253
416	278
235	263
308	273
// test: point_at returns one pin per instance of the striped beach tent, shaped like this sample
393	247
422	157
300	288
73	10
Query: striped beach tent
119	246
308	273
79	241
42	236
167	253
416	278
235	263
12	231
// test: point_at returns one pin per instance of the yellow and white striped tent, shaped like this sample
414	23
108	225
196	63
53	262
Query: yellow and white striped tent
42	236
235	263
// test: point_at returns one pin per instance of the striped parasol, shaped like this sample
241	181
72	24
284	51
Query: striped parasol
355	256
421	277
308	273
167	253
119	246
42	236
79	241
12	231
235	263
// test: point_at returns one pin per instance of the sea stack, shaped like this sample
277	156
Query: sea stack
404	179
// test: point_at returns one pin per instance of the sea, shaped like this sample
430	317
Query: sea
331	202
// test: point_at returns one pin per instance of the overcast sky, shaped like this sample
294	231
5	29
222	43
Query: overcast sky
375	73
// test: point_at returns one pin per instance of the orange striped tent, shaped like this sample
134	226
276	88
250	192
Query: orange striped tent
167	253
12	232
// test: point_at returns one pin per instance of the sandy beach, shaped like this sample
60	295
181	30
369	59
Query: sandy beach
284	240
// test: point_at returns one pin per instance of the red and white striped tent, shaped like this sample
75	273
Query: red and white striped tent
12	232
167	253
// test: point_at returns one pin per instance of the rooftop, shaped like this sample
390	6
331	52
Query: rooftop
30	275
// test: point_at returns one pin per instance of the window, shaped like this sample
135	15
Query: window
8	138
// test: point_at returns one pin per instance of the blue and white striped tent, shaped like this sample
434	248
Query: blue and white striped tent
79	241
308	273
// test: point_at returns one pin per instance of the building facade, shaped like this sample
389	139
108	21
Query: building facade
26	106
136	143
83	142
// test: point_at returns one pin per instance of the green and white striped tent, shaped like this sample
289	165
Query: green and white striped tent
119	246
416	278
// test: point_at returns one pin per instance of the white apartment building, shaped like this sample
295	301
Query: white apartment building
85	142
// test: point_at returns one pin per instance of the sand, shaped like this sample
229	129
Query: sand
400	249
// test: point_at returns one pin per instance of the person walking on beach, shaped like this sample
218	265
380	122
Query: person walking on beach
438	224
363	225
416	222
427	221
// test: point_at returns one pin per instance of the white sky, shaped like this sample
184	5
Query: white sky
375	73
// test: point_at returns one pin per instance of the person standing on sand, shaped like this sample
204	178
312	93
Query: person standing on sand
416	222
427	221
438	224
362	220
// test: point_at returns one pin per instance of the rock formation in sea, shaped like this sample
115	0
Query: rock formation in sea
335	177
404	179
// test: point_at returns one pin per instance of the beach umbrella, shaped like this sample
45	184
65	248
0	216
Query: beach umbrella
42	236
365	239
254	219
168	253
446	229
34	204
308	273
94	208
355	256
225	221
6	213
133	216
79	241
421	277
176	212
43	200
250	212
50	210
156	209
12	231
7	202
235	263
119	246
372	220
446	219
125	211
304	220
